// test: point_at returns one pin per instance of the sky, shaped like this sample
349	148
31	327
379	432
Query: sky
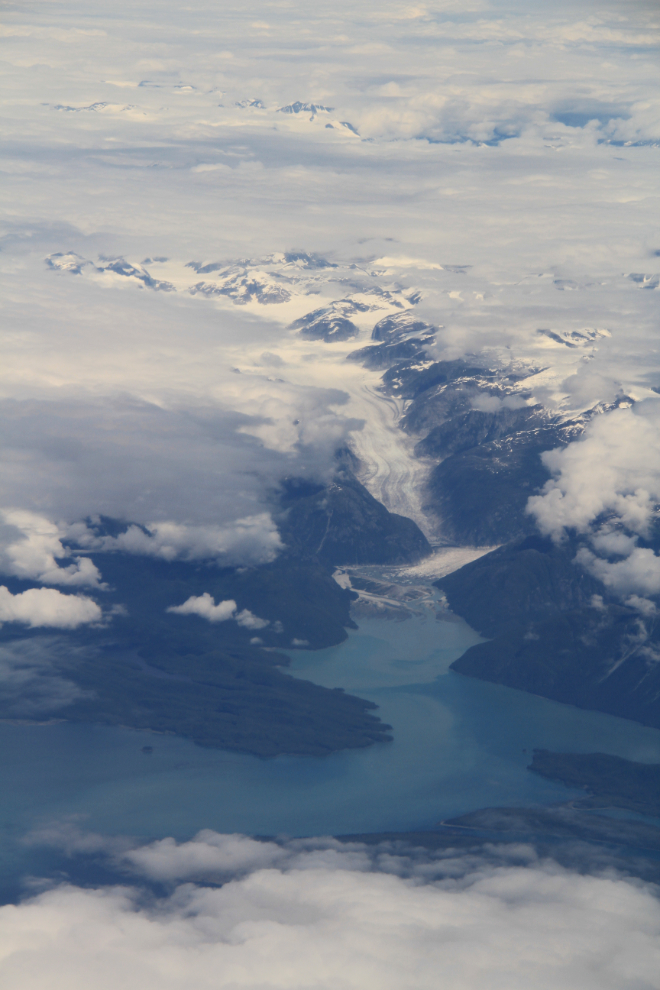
492	165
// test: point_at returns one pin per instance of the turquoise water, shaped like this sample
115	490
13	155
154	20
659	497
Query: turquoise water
459	744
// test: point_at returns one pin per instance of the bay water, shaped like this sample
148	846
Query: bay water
459	744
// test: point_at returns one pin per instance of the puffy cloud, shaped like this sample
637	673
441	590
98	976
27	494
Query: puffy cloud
250	621
33	544
204	605
614	469
640	125
30	547
613	541
47	607
209	855
323	915
298	420
252	540
607	485
638	573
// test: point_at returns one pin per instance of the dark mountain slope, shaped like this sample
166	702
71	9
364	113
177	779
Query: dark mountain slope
341	523
555	633
521	582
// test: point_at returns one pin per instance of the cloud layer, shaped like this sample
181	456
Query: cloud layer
511	142
322	914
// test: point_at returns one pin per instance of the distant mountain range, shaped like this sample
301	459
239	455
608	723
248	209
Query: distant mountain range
475	424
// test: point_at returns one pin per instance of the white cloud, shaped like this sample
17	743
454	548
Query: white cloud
209	854
250	621
316	913
204	605
647	608
640	125
607	485
47	607
613	541
197	476
31	545
614	469
253	540
639	573
67	836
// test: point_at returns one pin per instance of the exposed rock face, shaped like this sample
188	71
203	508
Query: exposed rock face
385	355
477	423
401	337
475	427
325	324
394	329
480	494
484	431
